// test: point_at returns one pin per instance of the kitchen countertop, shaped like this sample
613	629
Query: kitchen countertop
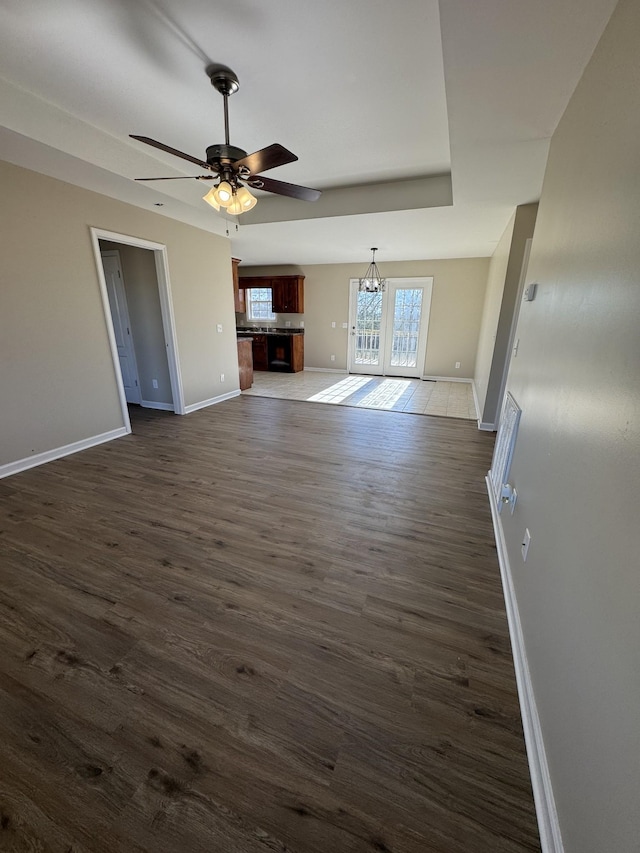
248	331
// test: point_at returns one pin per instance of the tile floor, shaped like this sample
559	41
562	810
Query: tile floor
420	397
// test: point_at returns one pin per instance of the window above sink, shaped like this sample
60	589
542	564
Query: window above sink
259	303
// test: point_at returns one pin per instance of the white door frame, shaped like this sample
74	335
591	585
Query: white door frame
166	307
425	282
513	329
121	308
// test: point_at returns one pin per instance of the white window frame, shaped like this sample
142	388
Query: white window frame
250	303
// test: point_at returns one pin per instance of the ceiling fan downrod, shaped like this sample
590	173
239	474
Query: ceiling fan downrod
225	81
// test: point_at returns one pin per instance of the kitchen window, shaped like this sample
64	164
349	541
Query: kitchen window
259	303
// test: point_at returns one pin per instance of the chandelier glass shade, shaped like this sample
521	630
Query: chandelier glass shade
372	281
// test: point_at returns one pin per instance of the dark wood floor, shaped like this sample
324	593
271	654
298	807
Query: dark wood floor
267	626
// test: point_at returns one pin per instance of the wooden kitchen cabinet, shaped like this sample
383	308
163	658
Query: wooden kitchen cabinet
254	281
297	353
239	301
287	294
287	291
285	352
260	354
245	363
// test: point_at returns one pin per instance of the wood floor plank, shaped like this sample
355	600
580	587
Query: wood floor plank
269	625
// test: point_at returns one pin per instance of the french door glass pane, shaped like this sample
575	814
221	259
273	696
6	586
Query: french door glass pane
368	319
406	327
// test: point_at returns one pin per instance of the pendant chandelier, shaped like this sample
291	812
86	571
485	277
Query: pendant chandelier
372	281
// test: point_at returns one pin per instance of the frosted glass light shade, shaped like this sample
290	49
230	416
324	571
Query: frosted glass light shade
235	207
246	200
210	198
223	193
238	201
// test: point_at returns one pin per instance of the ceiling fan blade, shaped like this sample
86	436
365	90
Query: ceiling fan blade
155	144
259	182
267	158
181	178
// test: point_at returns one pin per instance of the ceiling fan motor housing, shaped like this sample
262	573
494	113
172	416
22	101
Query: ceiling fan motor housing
224	155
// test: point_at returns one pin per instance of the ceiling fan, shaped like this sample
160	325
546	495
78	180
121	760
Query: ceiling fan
232	167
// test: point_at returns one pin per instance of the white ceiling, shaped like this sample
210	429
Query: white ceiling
363	91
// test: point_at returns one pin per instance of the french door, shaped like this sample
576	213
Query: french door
388	331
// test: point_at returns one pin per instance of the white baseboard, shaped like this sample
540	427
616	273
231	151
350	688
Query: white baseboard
163	407
550	836
58	452
324	370
211	402
446	379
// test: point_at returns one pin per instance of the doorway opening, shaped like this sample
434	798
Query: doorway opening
388	330
136	296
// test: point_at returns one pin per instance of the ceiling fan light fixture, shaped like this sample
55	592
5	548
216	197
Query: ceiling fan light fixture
235	208
223	193
210	198
372	281
246	200
231	165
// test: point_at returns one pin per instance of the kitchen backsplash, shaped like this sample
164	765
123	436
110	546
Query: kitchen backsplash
282	321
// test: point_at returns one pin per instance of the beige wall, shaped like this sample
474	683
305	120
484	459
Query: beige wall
57	383
503	296
577	459
456	310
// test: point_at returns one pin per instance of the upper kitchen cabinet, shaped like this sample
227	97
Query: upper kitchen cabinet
239	301
287	291
254	281
287	294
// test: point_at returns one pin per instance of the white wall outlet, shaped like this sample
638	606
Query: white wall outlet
222	377
219	327
154	382
512	501
345	325
333	324
526	541
287	323
457	365
333	358
302	324
516	346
